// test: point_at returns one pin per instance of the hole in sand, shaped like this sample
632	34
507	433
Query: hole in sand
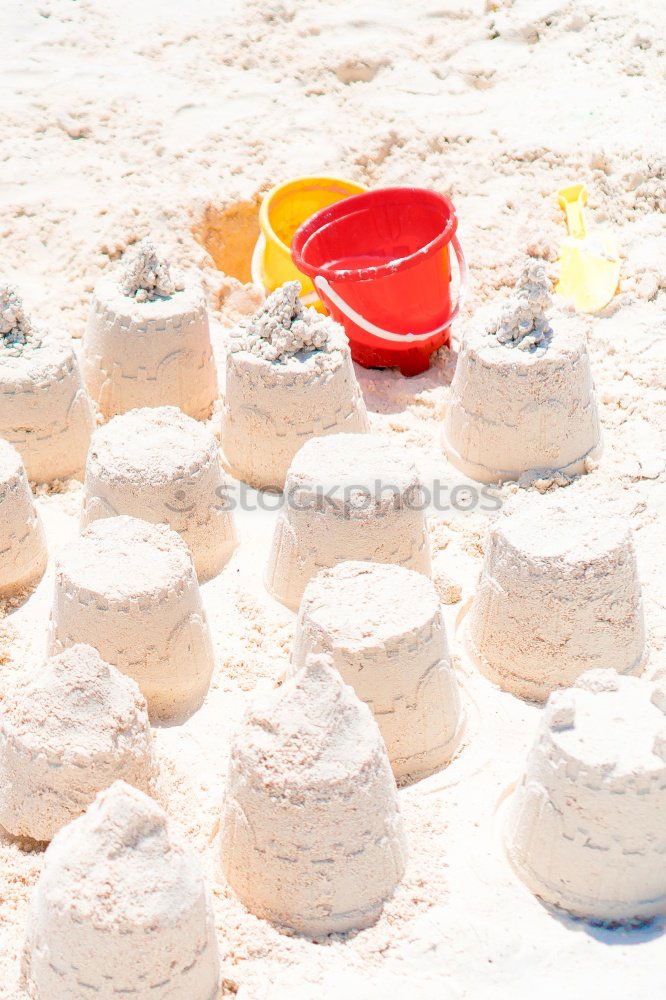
229	232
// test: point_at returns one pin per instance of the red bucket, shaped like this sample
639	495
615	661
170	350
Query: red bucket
380	263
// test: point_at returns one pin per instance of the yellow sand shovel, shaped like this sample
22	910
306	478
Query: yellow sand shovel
589	266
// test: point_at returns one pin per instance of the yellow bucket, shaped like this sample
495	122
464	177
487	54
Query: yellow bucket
283	210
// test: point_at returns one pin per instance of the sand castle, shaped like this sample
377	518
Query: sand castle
558	595
121	909
162	466
289	378
347	496
129	589
312	838
382	625
75	729
22	539
586	829
147	341
522	395
45	412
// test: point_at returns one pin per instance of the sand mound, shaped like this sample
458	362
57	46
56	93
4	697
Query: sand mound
162	466
289	378
121	909
586	829
78	727
382	625
558	595
22	539
146	346
348	496
522	396
129	589
312	838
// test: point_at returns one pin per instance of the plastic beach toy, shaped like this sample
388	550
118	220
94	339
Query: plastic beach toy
380	262
589	267
282	211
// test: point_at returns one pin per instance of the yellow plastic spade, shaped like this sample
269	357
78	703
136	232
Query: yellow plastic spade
589	266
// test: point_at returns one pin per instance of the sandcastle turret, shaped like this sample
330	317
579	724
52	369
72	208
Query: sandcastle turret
383	628
121	909
289	378
312	838
586	830
147	342
22	539
347	496
522	396
77	727
559	594
129	589
45	412
162	466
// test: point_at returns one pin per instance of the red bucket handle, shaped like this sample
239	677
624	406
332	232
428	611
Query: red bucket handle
323	285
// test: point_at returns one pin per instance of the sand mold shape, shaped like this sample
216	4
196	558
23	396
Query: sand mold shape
382	625
522	396
162	466
45	412
312	838
76	728
586	830
348	496
147	348
22	540
129	589
121	909
558	595
289	378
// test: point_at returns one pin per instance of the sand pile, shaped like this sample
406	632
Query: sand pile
121	909
348	496
22	540
289	378
76	728
146	276
383	628
162	466
147	342
559	594
587	828
522	396
129	589
312	837
45	412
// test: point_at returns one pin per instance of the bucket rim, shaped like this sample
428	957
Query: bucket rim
348	205
311	180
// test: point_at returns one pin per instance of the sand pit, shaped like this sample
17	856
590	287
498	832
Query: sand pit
147	342
78	727
383	628
586	829
129	589
312	838
559	594
348	496
45	412
121	909
162	466
522	395
289	378
22	540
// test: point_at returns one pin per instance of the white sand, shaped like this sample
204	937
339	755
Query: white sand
122	120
